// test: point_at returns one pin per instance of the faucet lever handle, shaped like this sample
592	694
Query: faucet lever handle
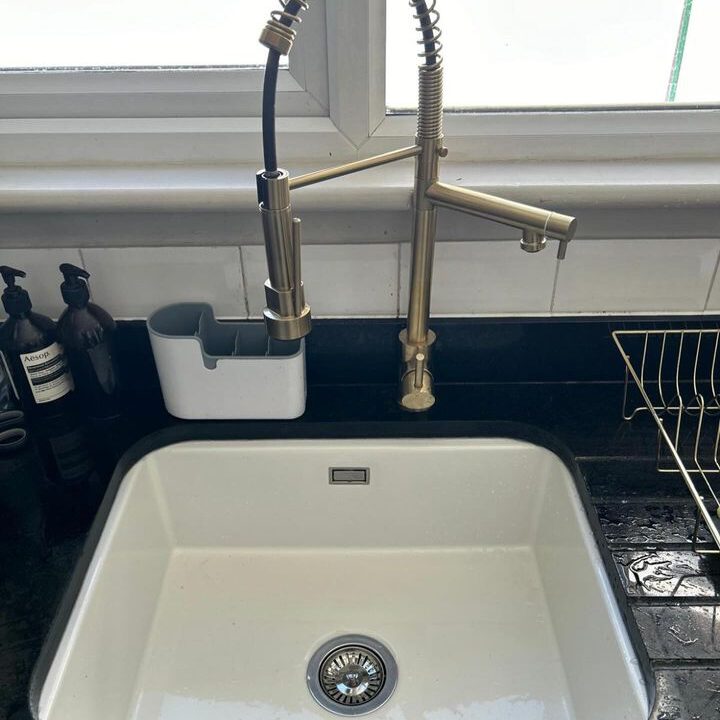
419	370
562	249
297	271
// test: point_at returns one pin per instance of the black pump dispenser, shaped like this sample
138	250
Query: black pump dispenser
74	289
15	299
88	335
37	362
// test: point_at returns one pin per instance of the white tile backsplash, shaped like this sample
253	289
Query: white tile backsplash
485	278
339	280
365	280
43	276
132	282
630	276
713	304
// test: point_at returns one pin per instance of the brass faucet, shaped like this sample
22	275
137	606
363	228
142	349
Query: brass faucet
287	316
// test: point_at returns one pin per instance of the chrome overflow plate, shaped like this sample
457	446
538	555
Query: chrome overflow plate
352	675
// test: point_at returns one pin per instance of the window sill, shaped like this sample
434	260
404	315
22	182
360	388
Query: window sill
216	205
228	188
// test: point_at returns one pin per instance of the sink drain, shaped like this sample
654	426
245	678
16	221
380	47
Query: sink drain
352	675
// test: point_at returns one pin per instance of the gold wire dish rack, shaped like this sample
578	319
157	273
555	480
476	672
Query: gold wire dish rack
674	375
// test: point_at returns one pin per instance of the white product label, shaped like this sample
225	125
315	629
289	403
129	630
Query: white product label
47	373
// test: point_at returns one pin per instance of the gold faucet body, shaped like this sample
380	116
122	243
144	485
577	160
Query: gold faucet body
288	316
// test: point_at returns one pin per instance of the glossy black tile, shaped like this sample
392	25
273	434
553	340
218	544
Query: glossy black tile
32	579
680	632
649	523
687	695
631	479
669	574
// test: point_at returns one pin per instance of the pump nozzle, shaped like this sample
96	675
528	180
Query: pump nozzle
9	274
73	271
15	300
74	289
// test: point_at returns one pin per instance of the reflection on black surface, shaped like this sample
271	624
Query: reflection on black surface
28	571
75	483
21	480
50	491
49	494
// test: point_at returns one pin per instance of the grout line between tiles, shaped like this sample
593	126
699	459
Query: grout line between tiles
707	664
243	280
398	281
83	264
639	458
712	282
643	500
672	601
649	547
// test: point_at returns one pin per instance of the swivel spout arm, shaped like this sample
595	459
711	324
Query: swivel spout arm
536	223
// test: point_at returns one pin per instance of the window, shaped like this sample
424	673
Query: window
564	53
132	33
169	83
152	59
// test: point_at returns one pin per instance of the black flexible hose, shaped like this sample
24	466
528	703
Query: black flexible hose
427	32
268	113
293	7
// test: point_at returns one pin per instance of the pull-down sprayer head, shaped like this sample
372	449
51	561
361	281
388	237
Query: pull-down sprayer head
287	316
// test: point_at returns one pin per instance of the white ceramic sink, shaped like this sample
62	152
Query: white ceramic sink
224	566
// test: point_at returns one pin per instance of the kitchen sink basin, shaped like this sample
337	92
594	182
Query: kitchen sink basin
299	580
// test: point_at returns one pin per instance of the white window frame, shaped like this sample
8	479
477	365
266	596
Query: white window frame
560	135
165	115
331	107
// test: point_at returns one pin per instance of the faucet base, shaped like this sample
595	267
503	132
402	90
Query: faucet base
413	399
288	327
416	383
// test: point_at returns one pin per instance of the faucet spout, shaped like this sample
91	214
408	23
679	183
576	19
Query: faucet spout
537	224
507	212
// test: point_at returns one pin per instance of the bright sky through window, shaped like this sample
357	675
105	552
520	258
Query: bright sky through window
556	53
132	33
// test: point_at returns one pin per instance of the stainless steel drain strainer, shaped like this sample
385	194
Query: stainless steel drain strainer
352	675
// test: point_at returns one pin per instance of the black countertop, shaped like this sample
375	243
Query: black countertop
558	384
